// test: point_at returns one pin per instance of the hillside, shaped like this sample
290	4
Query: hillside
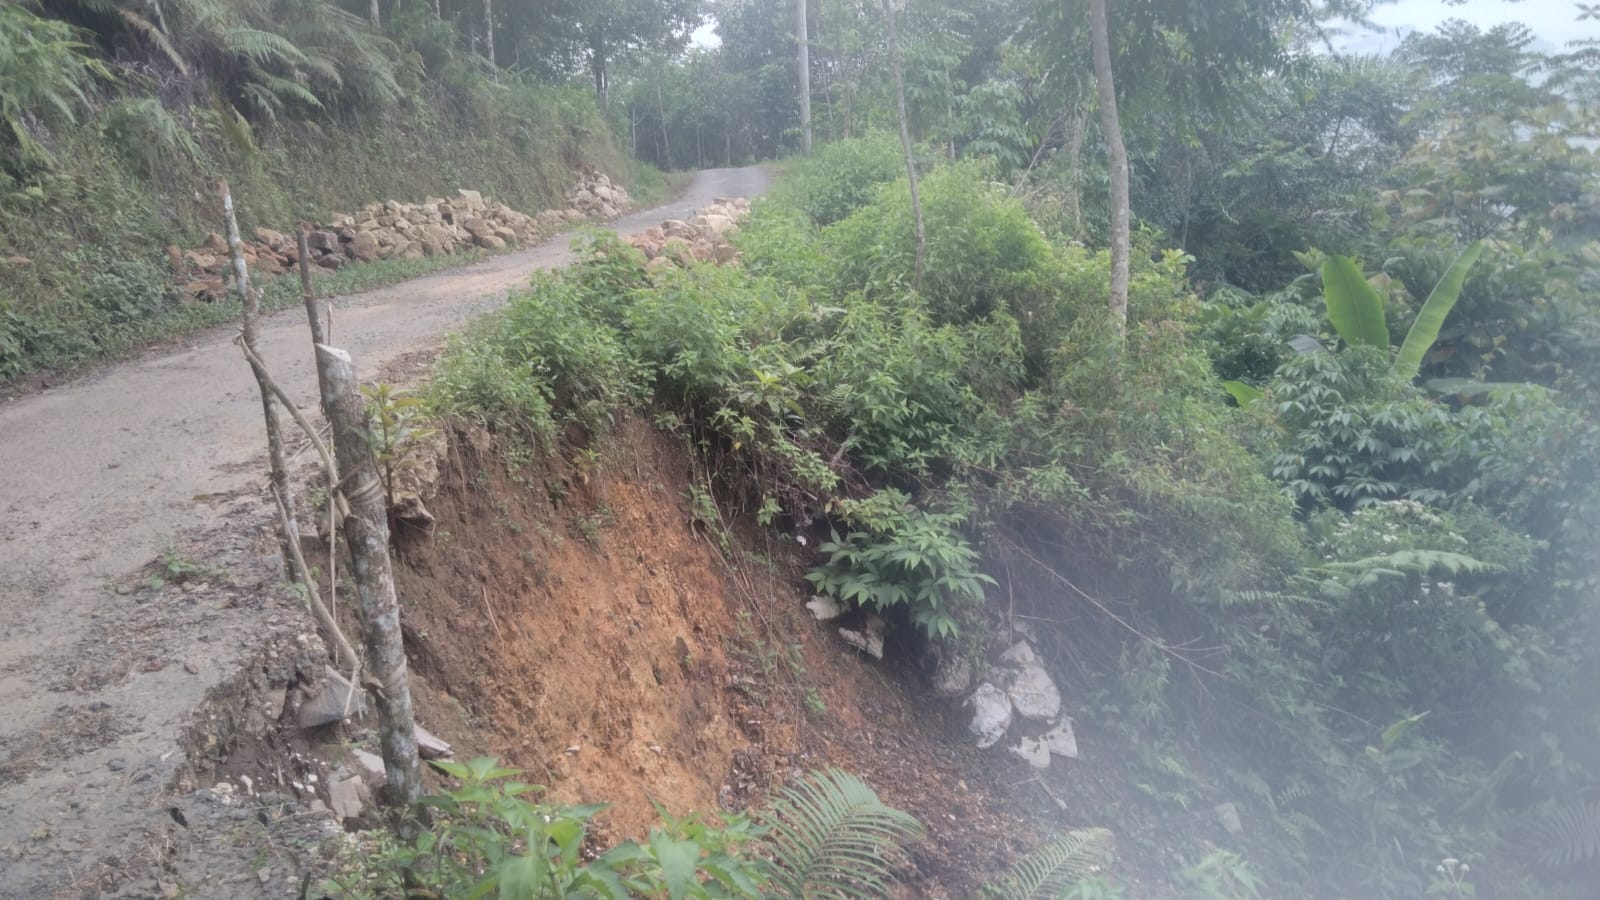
117	133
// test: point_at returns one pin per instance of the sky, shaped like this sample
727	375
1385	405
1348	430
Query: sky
1553	22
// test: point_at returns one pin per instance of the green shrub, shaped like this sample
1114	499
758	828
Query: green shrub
580	363
844	176
983	252
489	837
826	835
897	555
478	381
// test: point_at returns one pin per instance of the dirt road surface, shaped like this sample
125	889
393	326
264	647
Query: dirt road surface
117	616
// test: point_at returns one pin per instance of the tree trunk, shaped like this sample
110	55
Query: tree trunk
488	30
373	16
366	531
597	62
803	39
1079	125
277	469
661	109
905	140
1117	158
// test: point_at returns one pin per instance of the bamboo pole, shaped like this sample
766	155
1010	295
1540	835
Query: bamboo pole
289	532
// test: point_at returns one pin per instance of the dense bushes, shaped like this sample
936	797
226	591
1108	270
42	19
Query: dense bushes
1377	687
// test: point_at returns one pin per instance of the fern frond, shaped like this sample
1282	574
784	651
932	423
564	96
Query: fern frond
150	32
1052	870
287	89
262	46
1567	835
830	836
143	130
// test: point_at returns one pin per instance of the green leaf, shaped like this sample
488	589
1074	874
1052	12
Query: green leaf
678	861
1425	330
1399	729
1354	308
1243	394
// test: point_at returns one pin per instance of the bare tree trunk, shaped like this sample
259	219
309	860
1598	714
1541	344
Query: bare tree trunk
803	39
277	470
366	530
372	14
1079	125
1117	158
905	140
488	29
661	108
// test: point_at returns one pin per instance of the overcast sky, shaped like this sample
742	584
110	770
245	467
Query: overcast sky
1554	22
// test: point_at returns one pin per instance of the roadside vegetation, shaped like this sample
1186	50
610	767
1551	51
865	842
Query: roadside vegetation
1277	421
1354	599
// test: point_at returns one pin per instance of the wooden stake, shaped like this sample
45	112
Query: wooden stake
289	532
366	531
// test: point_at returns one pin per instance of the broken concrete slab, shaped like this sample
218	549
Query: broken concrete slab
1061	740
335	700
345	797
429	746
1034	751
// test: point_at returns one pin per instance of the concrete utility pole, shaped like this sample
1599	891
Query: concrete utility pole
803	38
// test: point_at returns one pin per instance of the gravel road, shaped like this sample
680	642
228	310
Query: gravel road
103	477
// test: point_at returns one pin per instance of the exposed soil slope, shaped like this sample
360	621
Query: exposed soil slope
575	620
159	457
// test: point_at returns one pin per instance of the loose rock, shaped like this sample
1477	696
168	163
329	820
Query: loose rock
991	715
1029	686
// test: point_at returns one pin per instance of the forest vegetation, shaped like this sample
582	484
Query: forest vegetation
1304	510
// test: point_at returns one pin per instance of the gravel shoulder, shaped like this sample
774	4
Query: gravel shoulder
135	559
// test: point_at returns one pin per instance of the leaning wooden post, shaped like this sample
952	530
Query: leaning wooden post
289	533
319	334
366	530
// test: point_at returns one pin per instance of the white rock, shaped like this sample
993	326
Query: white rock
1028	685
1033	751
344	797
371	765
1228	815
1061	740
991	715
953	677
823	607
869	640
718	224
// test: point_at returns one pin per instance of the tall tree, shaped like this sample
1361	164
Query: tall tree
488	29
905	139
1116	159
803	40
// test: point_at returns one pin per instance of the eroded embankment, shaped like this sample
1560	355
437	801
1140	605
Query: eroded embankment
576	617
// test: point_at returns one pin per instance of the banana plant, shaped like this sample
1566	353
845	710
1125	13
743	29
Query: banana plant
1356	309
